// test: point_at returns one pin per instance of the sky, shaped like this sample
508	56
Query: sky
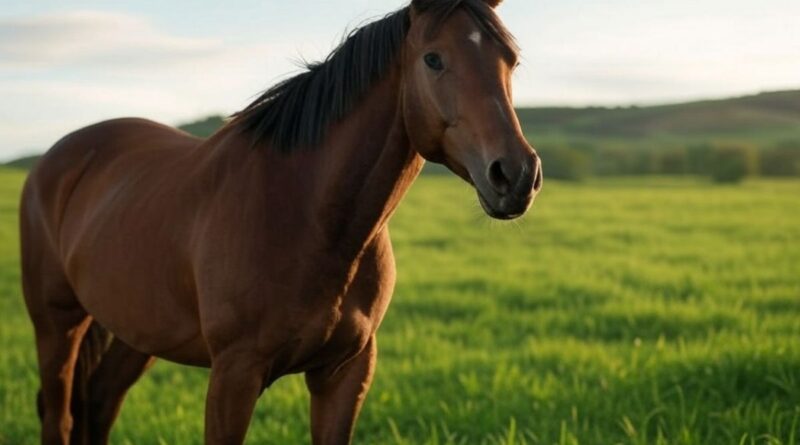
66	64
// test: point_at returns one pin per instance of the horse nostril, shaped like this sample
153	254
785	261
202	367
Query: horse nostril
498	178
538	177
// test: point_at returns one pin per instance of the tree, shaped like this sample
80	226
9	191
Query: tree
672	161
561	162
731	163
781	160
698	158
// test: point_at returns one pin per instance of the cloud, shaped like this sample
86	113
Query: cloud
97	38
61	72
655	56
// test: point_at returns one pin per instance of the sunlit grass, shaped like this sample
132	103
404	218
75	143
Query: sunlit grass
635	311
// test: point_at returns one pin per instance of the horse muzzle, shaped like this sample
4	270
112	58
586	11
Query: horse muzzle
507	189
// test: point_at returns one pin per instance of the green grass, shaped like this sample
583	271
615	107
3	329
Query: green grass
630	311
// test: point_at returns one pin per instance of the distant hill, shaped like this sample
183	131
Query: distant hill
763	117
202	128
205	127
25	163
768	116
764	120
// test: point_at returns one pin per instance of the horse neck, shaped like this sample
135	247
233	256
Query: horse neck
333	199
365	168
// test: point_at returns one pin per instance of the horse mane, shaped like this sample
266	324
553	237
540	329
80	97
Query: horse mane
297	112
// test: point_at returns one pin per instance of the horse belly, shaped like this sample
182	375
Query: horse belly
148	323
144	299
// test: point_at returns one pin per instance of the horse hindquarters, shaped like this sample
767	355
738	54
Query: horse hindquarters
59	320
78	399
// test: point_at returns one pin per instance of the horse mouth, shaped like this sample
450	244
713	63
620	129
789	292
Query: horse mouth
494	213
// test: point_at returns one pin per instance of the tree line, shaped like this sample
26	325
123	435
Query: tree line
724	162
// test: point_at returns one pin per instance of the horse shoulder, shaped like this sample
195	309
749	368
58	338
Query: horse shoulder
370	293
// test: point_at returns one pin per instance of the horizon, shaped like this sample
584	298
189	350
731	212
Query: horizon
200	118
64	67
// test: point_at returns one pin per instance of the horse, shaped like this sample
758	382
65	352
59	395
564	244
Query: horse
263	250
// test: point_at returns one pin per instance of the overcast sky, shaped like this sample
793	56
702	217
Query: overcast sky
66	64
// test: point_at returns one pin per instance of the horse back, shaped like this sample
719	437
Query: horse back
89	151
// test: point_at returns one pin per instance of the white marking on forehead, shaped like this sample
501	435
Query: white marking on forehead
476	37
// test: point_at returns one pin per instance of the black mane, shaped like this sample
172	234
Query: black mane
297	112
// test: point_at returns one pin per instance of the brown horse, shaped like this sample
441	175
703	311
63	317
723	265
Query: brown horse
264	250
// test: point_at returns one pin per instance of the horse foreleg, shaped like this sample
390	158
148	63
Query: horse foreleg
336	399
235	385
120	367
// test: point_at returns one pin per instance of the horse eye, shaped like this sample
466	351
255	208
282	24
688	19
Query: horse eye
434	61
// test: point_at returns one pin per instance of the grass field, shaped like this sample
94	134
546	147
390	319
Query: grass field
632	311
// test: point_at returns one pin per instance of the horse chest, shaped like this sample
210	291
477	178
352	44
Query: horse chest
344	329
340	329
348	330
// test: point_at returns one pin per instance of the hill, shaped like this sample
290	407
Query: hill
202	128
765	113
762	122
24	163
605	135
762	130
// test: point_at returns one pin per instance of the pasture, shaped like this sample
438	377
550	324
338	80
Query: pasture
631	311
